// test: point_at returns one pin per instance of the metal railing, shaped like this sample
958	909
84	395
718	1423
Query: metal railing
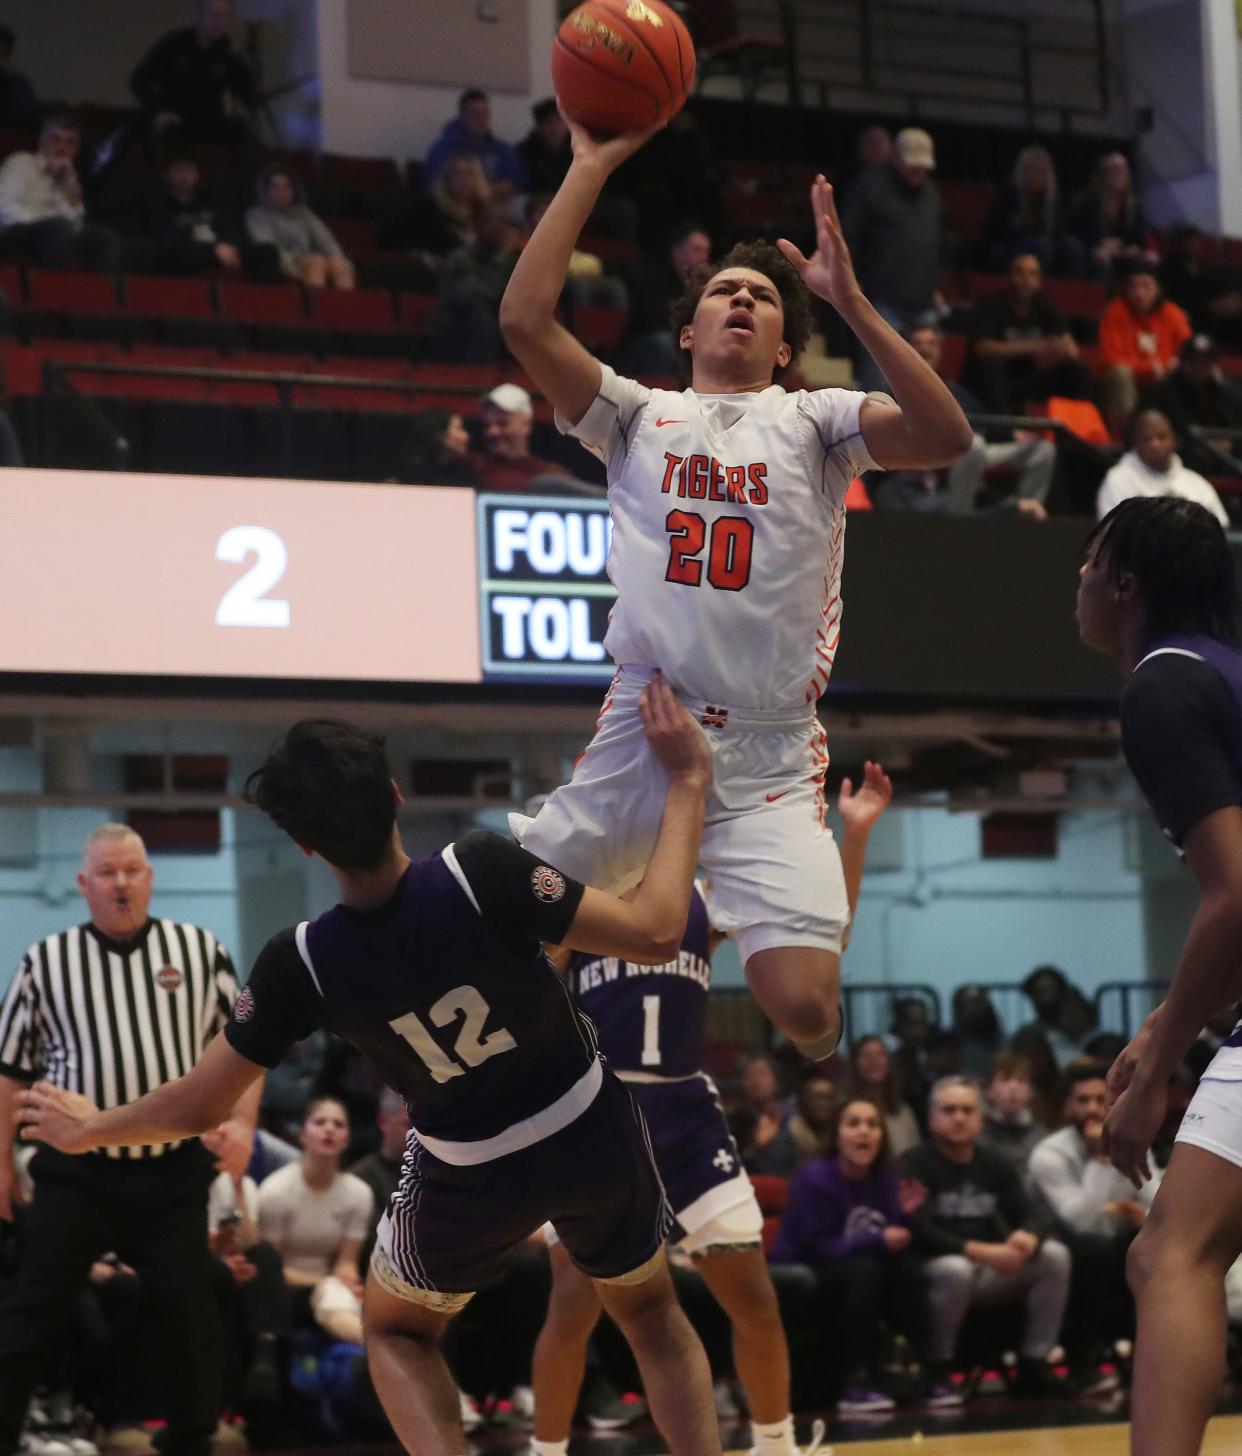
1122	1006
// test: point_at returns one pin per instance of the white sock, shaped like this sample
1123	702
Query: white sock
776	1439
549	1448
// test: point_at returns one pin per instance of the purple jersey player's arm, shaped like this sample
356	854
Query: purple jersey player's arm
927	428
1208	978
859	809
647	926
566	373
193	1104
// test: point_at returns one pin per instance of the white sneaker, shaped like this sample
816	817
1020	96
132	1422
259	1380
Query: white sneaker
522	1403
471	1416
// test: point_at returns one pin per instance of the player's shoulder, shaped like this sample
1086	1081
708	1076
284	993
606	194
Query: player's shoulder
1171	680
354	1189
281	1182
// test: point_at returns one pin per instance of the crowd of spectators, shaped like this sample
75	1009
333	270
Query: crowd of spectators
468	209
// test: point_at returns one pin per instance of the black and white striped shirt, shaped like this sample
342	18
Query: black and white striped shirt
113	1020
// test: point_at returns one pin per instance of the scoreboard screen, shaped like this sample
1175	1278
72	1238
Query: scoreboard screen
544	593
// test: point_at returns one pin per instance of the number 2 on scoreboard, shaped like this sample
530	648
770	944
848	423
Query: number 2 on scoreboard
728	557
246	603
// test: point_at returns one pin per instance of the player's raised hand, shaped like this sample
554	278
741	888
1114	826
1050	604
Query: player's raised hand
61	1119
860	808
605	152
828	272
675	738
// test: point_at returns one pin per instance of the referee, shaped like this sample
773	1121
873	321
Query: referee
112	1009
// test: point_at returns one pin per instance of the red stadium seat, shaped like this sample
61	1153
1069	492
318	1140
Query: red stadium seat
600	329
953	356
22	364
1078	297
1230	364
968	205
262	303
12	284
363	308
356	236
362	174
168	297
773	1196
67	292
415	310
984	285
366	368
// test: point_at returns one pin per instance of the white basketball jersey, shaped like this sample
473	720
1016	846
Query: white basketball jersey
728	534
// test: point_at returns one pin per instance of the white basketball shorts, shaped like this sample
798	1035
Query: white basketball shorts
773	867
1213	1121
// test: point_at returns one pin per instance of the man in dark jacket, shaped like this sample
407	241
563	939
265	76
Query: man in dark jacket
183	81
982	1242
1196	393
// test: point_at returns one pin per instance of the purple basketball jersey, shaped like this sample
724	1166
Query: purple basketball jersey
650	1018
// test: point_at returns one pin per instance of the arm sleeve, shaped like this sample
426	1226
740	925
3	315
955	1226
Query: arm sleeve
835	444
1116	343
1014	1207
1077	1202
322	238
278	1007
19	1028
930	1236
259	226
147	81
522	900
1179	729
14	177
608	427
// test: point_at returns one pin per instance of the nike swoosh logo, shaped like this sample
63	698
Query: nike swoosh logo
661	423
772	798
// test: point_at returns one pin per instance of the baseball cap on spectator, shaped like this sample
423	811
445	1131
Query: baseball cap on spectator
1198	346
915	148
511	398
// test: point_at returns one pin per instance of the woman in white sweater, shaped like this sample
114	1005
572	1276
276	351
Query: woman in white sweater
316	1217
1152	467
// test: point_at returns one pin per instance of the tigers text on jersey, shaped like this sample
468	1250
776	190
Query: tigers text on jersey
446	989
728	533
650	1018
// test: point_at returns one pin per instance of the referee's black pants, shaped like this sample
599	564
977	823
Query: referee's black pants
152	1213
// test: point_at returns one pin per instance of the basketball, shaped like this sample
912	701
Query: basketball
622	65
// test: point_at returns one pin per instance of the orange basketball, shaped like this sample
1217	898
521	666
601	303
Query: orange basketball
622	65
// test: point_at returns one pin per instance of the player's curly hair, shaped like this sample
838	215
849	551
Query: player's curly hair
1178	554
763	258
328	785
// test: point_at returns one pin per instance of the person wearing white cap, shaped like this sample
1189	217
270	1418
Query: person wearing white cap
506	462
894	227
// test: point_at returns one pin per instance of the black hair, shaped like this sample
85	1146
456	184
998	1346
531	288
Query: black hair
541	110
1083	1069
59	121
763	258
1181	563
472	93
328	785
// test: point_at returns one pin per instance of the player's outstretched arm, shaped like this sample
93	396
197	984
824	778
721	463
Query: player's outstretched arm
1208	978
928	428
193	1104
649	927
859	809
564	371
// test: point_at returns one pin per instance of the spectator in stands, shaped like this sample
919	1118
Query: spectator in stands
42	215
546	151
875	147
435	223
814	1106
1009	1125
1211	296
19	106
911	1029
981	1241
254	1300
471	131
1027	218
873	1075
894	226
1020	346
1107	219
193	233
316	1217
768	1147
1152	466
464	325
440	452
586	283
1098	1212
1195	392
1030	1043
978	1030
505	462
187	79
1028	461
381	1169
650	348
1063	1014
848	1219
304	243
1141	334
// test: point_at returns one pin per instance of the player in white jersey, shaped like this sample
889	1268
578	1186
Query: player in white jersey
728	518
